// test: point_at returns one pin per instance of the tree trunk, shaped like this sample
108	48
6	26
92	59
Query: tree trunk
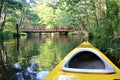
95	14
4	20
1	6
86	13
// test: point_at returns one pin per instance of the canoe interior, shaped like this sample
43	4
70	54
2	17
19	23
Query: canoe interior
86	60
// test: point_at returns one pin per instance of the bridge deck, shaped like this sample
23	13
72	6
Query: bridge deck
44	30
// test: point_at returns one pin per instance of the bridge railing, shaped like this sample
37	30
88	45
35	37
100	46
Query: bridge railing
43	29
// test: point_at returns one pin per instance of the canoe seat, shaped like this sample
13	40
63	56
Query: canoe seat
86	60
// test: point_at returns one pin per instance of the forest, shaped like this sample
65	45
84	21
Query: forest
100	18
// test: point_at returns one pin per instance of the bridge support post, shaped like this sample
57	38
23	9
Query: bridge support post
28	35
63	33
39	34
17	34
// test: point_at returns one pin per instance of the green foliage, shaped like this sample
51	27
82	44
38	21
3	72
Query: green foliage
113	50
13	4
32	19
8	9
109	45
12	11
67	21
70	13
5	35
112	17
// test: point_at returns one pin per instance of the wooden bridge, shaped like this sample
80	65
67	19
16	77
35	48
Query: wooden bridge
40	30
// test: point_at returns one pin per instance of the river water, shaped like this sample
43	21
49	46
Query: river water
45	50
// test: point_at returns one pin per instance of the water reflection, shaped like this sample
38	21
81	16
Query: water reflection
46	51
30	73
4	60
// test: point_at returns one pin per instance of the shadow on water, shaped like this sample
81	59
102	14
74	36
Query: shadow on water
18	56
4	62
6	69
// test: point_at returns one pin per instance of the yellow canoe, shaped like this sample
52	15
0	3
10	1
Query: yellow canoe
85	62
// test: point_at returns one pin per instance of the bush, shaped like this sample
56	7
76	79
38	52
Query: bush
6	35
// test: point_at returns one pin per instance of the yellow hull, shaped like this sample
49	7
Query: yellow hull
66	70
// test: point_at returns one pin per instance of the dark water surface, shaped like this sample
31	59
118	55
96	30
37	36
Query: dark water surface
46	51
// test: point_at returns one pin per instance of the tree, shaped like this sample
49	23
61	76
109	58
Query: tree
112	17
96	24
6	6
86	13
